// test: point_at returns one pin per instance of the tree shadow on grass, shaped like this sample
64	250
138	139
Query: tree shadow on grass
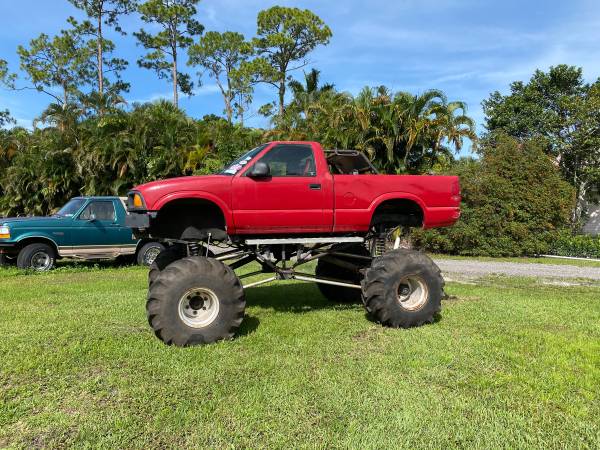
298	298
293	297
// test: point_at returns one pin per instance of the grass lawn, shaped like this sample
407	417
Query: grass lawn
537	260
510	364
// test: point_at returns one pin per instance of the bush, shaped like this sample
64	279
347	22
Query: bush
514	203
582	246
41	169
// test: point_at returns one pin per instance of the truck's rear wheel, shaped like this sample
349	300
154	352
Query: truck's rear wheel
327	269
195	300
403	288
148	253
167	256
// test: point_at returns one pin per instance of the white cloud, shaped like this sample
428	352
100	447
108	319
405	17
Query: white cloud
208	89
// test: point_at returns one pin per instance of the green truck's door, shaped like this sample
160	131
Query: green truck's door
98	231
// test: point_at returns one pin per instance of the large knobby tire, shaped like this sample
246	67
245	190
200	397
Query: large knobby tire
403	288
148	253
326	269
195	300
167	256
38	256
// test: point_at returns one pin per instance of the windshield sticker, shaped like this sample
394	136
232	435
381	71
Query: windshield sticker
234	169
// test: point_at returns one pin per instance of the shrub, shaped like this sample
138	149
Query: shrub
582	246
514	202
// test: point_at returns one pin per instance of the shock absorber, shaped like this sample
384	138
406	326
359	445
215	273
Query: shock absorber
194	249
379	244
378	240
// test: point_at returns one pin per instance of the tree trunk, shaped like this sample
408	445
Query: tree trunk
65	96
174	70
228	110
100	62
580	194
281	96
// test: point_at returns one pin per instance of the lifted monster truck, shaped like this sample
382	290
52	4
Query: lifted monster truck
282	205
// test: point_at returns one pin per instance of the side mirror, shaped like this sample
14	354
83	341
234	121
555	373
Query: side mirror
260	170
92	218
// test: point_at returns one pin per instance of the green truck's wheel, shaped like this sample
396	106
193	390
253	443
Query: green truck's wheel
39	257
148	253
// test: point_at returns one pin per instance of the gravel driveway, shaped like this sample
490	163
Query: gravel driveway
465	269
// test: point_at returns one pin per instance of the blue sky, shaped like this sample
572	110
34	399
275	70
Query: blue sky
468	48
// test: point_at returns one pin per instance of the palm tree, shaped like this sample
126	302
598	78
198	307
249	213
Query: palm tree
451	124
307	94
101	103
417	114
63	116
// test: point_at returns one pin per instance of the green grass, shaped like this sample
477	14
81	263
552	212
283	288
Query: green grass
527	260
509	364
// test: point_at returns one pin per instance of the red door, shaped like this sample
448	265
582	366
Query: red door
291	200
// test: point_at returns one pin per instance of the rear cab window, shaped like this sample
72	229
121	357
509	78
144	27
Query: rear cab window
348	162
103	210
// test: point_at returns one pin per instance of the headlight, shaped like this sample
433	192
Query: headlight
4	232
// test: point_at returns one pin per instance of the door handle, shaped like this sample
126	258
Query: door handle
314	187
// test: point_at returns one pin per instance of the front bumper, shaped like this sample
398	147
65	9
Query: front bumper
8	248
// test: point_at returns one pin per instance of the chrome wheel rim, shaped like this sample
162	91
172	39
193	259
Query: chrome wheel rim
41	261
412	293
198	307
151	255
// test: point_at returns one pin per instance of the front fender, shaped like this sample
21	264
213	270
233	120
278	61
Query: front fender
38	236
200	195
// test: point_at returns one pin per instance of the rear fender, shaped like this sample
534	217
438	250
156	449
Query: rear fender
398	196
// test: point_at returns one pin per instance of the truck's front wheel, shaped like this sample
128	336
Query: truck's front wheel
38	256
169	255
195	300
403	288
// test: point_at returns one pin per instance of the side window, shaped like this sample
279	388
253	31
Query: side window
103	210
289	160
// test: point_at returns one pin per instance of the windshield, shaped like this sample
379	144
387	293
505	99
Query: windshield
71	207
238	164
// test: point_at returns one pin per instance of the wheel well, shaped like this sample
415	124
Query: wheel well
189	219
34	240
398	212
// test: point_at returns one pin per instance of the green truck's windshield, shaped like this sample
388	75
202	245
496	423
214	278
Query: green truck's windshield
240	163
71	207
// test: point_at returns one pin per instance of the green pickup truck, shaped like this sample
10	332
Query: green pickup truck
85	228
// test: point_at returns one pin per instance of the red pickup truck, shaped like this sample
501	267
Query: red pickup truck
290	203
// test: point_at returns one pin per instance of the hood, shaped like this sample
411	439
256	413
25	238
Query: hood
155	190
30	221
